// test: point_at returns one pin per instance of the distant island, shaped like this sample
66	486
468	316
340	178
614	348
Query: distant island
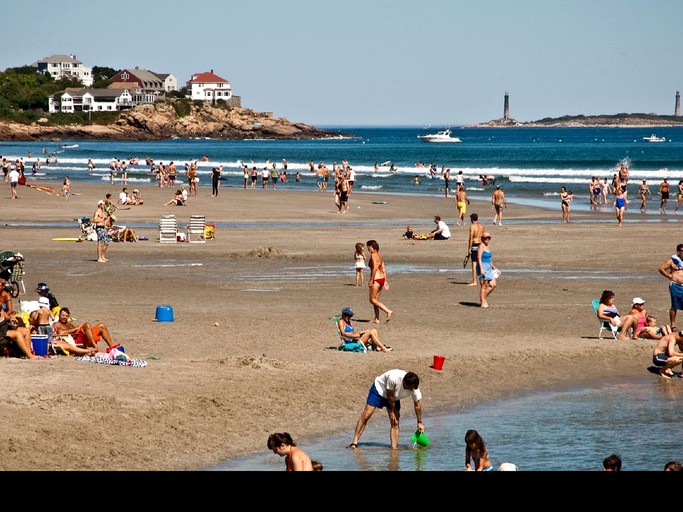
167	120
581	121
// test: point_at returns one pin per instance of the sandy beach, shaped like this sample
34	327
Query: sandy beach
250	349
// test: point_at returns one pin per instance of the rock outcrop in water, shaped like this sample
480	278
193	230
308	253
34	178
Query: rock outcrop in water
162	121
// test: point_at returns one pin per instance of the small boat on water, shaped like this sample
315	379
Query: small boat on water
654	138
69	146
440	136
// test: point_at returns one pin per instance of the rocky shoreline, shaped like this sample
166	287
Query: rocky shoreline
161	121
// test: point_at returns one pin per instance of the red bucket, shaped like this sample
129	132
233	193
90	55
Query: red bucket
438	362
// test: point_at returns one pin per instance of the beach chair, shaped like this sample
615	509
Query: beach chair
604	324
196	229
168	229
343	345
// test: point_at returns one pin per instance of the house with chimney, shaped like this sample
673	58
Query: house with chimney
208	86
58	66
144	86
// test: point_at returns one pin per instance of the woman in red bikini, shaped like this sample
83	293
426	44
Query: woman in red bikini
378	280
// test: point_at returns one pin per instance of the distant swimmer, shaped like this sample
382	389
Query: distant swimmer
489	179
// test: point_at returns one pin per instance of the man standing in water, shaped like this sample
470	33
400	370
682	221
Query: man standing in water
664	190
498	202
387	391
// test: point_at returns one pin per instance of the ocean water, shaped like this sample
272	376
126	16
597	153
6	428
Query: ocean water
531	164
560	430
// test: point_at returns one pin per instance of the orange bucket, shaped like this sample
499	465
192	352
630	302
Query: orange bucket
438	362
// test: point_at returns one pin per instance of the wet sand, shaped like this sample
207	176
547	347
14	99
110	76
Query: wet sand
252	349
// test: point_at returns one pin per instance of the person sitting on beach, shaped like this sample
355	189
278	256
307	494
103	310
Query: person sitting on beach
177	199
6	304
409	234
87	230
136	197
122	234
369	338
15	340
668	353
651	331
634	320
84	334
608	311
441	232
41	321
124	197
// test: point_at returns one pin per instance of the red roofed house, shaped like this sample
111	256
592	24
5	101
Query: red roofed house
145	86
208	87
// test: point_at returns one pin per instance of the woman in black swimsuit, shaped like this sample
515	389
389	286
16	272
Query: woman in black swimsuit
565	198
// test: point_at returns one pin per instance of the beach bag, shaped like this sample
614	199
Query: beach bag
352	347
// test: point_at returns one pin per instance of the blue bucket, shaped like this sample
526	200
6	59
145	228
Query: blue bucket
164	313
39	343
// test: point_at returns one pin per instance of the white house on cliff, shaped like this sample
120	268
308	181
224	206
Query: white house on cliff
58	66
87	99
208	87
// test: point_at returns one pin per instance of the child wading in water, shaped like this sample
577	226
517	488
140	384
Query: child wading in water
359	265
476	452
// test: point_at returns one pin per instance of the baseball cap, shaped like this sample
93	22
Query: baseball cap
101	201
637	300
44	302
42	287
347	311
486	234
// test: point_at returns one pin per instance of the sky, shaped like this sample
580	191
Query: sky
379	62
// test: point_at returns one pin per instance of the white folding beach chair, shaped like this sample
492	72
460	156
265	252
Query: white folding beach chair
168	229
195	229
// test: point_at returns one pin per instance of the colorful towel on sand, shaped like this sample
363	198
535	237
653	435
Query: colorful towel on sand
105	359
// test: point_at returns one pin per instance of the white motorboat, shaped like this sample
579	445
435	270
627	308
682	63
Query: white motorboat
440	136
654	138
